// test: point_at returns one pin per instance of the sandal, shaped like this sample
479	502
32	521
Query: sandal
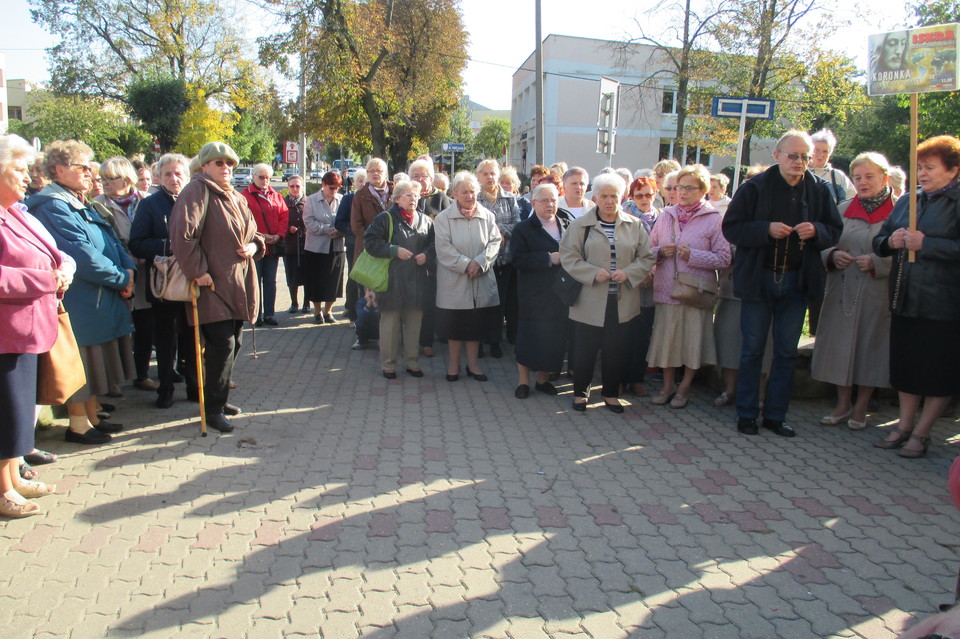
27	471
915	454
39	457
723	399
14	510
31	489
902	437
679	401
853	424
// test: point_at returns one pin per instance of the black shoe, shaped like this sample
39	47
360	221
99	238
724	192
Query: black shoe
294	309
779	428
107	408
415	372
522	392
390	374
193	395
269	321
318	318
305	308
220	423
553	377
107	427
580	407
231	410
258	323
546	387
328	318
480	377
92	436
177	378
614	408
747	426
496	351
165	400
454	377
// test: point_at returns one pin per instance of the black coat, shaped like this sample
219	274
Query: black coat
746	225
148	233
408	286
531	247
930	287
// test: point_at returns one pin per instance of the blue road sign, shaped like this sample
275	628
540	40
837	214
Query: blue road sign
732	107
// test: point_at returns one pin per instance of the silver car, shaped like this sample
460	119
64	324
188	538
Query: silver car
242	176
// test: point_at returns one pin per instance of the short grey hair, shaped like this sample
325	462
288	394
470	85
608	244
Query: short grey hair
721	179
400	176
360	174
609	179
625	175
377	162
897	177
794	134
402	187
491	161
825	135
464	177
540	188
262	167
173	158
871	157
13	148
510	173
576	170
421	164
643	173
119	167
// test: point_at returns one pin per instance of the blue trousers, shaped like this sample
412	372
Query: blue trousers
782	307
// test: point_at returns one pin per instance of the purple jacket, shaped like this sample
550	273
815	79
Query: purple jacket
709	251
28	287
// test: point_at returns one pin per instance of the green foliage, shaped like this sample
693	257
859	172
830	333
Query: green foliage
98	122
882	126
160	104
494	133
252	139
132	140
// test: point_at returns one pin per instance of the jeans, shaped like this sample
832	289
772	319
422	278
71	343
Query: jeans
783	306
267	277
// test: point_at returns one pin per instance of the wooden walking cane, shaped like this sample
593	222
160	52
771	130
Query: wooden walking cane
194	298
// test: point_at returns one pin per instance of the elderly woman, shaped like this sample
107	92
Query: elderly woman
294	245
608	251
150	238
33	274
342	224
369	201
403	235
323	248
214	238
504	207
643	191
432	201
38	179
467	243
96	299
670	194
542	327
718	192
897	180
924	295
686	239
855	321
660	171
270	211
121	199
510	182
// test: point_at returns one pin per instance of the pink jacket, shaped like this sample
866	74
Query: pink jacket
28	287
709	251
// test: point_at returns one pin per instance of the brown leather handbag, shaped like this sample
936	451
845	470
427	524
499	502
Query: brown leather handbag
60	370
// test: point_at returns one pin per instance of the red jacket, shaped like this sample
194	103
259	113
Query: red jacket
270	212
28	287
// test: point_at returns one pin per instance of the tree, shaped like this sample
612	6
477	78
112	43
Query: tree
252	138
493	136
383	75
107	44
202	123
160	104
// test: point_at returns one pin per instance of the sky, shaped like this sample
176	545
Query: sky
502	35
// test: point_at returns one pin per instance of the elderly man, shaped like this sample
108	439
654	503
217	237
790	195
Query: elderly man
574	201
780	221
432	201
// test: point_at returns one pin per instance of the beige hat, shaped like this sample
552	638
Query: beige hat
217	151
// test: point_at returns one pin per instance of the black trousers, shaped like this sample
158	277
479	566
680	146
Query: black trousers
352	292
173	336
609	341
221	345
143	336
509	308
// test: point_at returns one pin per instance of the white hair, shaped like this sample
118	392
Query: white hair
402	187
400	176
609	179
426	165
464	176
12	148
262	167
544	187
173	158
490	161
643	173
626	175
377	162
795	134
825	135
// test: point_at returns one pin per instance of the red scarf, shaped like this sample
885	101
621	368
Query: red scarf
407	216
856	211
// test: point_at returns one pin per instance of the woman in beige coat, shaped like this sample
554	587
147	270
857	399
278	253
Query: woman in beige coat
467	244
854	326
608	251
214	237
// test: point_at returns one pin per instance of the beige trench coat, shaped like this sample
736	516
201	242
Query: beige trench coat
633	257
853	337
206	241
458	241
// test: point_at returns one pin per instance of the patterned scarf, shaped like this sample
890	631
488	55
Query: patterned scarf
685	213
872	210
126	202
380	193
871	204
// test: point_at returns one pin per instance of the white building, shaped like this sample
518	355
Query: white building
572	68
4	102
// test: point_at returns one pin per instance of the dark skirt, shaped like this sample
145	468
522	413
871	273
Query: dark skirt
323	276
542	343
924	355
293	268
468	325
18	398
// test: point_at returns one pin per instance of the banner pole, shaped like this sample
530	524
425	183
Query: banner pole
914	107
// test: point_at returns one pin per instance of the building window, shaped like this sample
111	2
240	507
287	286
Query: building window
669	102
666	149
695	155
15	113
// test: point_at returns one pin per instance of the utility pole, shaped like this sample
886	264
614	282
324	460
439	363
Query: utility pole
539	89
303	112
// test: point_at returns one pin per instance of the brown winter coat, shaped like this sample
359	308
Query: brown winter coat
363	209
206	241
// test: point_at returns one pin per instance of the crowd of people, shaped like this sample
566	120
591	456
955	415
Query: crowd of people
659	272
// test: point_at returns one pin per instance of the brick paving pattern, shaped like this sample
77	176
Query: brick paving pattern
346	505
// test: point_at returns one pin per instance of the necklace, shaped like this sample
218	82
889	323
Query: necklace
843	293
901	258
786	249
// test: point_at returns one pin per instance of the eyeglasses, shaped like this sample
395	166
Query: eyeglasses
686	189
803	157
105	178
221	163
668	188
84	168
642	196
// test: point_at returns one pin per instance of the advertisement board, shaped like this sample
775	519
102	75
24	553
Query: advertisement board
920	60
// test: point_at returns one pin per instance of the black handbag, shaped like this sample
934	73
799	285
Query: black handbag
565	287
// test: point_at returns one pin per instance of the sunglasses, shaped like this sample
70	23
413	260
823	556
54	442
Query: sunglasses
793	157
84	168
643	196
222	163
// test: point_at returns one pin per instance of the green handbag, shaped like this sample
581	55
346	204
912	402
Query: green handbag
373	272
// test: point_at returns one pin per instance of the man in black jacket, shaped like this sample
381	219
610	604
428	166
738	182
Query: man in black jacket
779	221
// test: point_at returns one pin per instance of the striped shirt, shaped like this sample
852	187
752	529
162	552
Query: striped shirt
608	228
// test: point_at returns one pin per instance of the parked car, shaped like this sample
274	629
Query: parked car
316	174
352	171
289	173
242	176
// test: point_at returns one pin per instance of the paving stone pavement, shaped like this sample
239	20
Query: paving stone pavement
347	505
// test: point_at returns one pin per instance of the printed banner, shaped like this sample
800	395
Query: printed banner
920	60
